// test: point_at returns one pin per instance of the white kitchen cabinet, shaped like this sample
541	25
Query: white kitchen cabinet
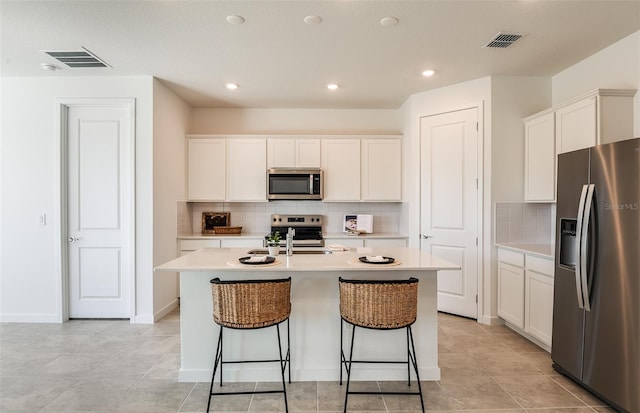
206	169
525	294
598	117
241	243
247	170
293	152
385	242
381	163
511	287
186	246
341	168
540	158
539	298
345	242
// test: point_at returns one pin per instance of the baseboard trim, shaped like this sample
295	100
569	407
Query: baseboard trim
30	318
492	321
166	310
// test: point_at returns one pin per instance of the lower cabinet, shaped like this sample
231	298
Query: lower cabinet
525	294
366	242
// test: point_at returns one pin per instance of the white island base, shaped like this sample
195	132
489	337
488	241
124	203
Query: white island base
315	316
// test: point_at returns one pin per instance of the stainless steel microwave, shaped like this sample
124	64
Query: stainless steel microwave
294	183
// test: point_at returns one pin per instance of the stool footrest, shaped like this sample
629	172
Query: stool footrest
247	392
385	392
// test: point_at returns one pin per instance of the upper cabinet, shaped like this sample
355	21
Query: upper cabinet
598	117
247	170
341	169
381	163
226	169
293	152
206	169
234	168
540	158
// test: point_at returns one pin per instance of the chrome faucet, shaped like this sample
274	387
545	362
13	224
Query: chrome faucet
290	234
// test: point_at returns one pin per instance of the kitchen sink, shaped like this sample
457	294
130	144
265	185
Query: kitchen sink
295	251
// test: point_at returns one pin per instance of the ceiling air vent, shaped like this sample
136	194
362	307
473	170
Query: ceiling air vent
503	40
77	58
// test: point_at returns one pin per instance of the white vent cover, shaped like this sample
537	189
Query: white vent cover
77	58
503	40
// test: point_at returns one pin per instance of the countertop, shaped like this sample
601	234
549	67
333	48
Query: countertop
543	250
208	259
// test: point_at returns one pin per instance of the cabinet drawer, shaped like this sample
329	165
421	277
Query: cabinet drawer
385	242
511	257
241	243
194	244
540	265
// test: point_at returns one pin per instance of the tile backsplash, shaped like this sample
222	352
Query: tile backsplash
524	223
386	216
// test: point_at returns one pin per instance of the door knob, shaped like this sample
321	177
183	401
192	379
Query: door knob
74	239
425	236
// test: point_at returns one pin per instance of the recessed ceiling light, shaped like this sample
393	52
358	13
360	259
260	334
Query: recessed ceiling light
312	20
49	67
389	21
234	19
428	73
231	86
332	86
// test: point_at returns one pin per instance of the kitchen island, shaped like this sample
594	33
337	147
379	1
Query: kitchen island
315	316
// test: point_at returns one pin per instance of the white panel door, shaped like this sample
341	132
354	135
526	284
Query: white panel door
100	190
449	205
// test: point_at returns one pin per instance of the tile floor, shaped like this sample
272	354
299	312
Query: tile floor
114	366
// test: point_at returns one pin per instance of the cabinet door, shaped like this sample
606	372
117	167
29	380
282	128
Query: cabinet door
576	126
247	170
307	153
540	159
281	152
290	152
341	165
206	168
539	306
381	170
511	294
345	242
385	242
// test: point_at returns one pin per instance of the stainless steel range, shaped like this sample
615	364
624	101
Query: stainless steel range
308	229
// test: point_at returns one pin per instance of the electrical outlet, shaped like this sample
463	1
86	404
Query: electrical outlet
43	220
243	217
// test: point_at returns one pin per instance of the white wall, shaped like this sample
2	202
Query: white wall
29	270
295	121
616	67
171	117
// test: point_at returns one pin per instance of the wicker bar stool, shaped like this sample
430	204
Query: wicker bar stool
379	305
249	305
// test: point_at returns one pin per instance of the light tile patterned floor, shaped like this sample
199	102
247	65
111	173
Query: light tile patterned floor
114	366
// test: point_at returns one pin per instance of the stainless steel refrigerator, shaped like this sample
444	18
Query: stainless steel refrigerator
596	304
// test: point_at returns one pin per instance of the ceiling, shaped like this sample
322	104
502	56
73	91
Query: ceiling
280	61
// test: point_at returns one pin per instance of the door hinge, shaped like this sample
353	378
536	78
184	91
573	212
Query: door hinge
476	241
477	127
476	298
477	183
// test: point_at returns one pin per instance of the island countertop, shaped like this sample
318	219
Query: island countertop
315	318
208	259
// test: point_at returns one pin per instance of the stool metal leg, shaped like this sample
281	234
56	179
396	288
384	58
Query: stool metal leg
408	360
348	368
283	366
415	367
216	362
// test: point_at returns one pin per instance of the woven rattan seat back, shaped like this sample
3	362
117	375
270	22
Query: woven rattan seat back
379	304
251	303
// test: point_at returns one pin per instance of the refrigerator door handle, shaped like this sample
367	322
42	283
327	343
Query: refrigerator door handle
583	247
578	250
